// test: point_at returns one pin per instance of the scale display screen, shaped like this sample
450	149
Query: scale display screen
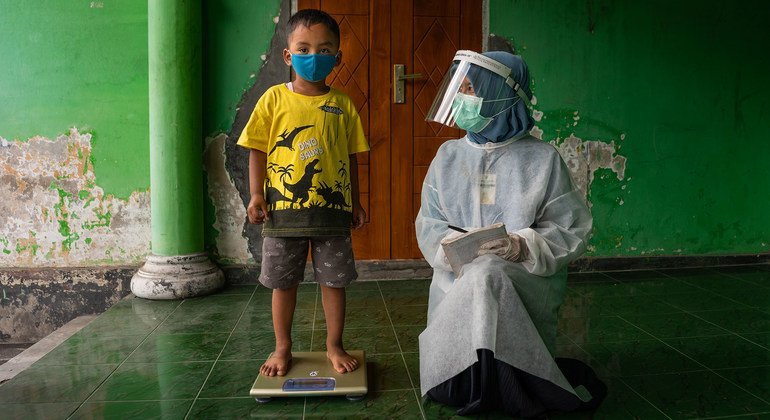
309	384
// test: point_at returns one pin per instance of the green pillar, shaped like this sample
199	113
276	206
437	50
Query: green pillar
175	126
178	267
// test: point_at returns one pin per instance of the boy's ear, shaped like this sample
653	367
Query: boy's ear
287	56
339	58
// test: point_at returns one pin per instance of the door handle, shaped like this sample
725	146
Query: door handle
398	82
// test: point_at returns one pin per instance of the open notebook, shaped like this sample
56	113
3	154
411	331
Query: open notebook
461	250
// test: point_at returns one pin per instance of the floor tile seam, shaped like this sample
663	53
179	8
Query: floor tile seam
387	286
730	334
106	378
139	401
683	280
744	305
395	334
50	365
364	328
643	397
695	314
390	279
743	336
635	340
646	375
653	313
582	294
684	309
723	333
595	343
219	355
588	354
694	284
688	313
635	326
667	345
728	298
722	369
175	362
764	400
312	325
737	416
186	333
733	276
418	398
409	388
709	369
578	346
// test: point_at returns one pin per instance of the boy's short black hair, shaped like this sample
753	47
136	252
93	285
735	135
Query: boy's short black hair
310	17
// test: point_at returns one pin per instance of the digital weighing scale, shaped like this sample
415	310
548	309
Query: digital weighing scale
312	374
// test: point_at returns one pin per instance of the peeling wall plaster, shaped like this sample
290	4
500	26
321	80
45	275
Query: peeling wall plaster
231	244
585	157
273	71
52	212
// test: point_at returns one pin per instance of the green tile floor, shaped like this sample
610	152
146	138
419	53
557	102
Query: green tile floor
689	343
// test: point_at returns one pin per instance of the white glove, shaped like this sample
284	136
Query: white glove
513	248
440	255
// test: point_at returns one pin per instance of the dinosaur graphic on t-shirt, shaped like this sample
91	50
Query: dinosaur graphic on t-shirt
287	140
333	198
301	188
274	196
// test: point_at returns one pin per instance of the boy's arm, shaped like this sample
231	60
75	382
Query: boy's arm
257	209
359	215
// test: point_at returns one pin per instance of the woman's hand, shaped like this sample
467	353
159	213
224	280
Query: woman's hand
513	248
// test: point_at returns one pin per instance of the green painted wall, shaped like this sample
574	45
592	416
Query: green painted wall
77	63
685	85
83	64
678	89
237	34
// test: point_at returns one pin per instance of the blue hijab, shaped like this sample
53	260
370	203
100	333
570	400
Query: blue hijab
514	121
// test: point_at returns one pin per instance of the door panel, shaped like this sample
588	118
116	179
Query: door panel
423	35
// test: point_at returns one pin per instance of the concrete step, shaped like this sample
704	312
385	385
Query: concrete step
9	350
33	353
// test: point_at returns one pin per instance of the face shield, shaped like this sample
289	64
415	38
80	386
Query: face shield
474	91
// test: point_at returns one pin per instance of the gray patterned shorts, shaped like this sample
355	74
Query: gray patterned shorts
283	261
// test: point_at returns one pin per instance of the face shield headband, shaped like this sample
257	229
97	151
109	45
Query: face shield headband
442	110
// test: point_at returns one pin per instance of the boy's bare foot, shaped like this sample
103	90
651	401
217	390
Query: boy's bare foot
341	360
277	364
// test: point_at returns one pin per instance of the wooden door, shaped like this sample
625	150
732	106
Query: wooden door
423	35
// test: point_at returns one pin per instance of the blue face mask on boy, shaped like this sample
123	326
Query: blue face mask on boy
313	67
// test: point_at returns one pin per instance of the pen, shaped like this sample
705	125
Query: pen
457	229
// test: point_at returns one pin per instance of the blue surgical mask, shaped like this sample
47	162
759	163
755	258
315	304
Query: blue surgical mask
313	67
466	110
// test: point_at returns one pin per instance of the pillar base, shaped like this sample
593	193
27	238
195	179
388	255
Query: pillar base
177	277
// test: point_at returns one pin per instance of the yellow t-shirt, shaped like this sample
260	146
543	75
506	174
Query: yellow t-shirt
307	140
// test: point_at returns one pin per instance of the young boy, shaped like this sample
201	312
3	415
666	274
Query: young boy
303	177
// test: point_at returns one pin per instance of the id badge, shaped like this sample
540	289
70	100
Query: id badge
488	188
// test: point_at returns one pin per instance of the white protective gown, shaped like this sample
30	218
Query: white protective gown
509	308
